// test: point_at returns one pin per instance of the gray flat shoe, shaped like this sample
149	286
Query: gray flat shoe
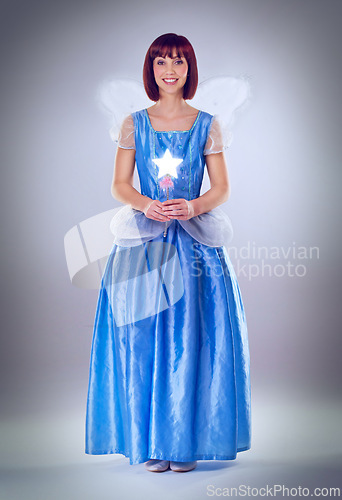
155	465
183	466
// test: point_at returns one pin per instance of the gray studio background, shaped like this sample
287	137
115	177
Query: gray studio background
57	164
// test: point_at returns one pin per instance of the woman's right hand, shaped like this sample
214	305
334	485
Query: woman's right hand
154	210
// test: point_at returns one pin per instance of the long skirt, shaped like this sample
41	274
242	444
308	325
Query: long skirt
169	370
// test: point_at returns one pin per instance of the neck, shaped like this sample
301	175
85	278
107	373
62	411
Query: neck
170	105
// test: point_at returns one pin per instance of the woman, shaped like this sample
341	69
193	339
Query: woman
169	376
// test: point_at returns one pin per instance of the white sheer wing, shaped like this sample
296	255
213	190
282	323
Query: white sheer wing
118	98
224	97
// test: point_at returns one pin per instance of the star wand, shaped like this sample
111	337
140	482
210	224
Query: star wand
166	183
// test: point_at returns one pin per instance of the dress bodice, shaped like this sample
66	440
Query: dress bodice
166	148
175	158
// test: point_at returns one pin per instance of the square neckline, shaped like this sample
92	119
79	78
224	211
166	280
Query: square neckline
171	131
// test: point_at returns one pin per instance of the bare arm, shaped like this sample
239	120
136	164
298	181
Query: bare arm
123	190
219	191
122	184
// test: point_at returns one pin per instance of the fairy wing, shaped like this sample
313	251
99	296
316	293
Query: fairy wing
224	97
118	98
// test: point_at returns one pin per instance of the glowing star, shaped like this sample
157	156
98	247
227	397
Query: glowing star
167	165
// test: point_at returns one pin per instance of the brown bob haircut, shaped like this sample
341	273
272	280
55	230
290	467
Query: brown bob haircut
161	47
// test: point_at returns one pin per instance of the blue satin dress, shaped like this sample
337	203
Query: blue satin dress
169	367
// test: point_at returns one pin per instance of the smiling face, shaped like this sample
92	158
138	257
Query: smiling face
170	73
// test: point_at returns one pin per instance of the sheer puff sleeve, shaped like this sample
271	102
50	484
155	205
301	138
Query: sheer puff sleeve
219	137
126	134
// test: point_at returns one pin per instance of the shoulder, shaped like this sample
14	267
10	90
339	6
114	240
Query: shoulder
140	112
138	116
206	114
201	114
206	119
127	125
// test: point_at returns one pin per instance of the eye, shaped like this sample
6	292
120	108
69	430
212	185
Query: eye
179	61
160	62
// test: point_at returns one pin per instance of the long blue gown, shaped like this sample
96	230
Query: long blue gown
169	367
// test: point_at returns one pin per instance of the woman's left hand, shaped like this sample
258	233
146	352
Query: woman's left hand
179	208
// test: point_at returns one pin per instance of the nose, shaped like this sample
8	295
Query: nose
169	67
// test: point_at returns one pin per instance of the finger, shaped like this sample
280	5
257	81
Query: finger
161	216
175	212
171	201
154	211
172	207
159	210
177	203
159	205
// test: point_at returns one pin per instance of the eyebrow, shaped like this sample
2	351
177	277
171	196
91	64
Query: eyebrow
176	57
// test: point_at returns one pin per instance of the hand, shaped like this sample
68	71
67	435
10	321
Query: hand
154	210
179	208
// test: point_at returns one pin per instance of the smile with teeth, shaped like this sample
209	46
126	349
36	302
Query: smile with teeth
170	80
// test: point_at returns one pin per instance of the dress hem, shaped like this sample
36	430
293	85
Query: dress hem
155	456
